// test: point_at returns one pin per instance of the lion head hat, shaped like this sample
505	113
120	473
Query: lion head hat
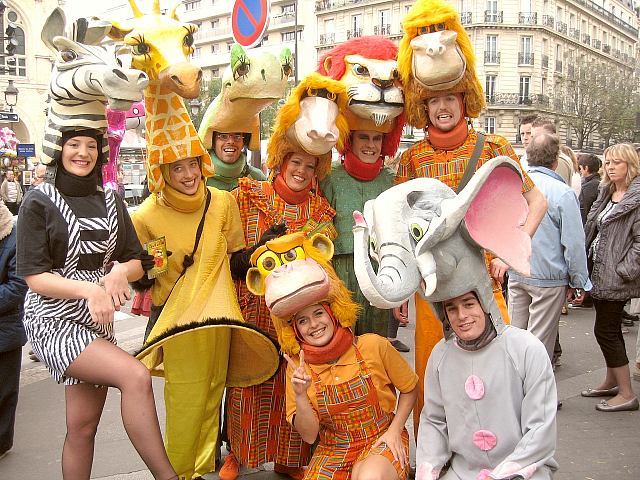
435	58
313	121
293	272
367	65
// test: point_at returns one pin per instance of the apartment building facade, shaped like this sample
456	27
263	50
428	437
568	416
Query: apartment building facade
214	38
525	49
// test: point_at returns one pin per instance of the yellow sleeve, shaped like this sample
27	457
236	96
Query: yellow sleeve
233	226
138	220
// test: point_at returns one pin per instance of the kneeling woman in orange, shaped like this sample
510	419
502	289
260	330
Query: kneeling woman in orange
344	389
339	386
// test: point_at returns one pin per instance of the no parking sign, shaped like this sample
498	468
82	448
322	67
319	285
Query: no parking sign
249	21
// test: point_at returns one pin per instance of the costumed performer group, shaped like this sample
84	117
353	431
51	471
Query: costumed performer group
240	249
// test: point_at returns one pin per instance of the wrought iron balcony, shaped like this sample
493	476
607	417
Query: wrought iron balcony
525	58
528	18
596	43
327	38
492	17
382	29
502	98
466	18
561	27
575	33
354	33
548	21
606	48
617	53
545	61
586	38
491	57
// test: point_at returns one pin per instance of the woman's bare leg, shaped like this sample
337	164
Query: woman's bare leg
84	404
374	467
102	363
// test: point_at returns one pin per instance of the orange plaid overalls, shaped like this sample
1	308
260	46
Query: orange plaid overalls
351	420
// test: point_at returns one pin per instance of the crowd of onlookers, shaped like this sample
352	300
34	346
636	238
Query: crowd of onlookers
589	241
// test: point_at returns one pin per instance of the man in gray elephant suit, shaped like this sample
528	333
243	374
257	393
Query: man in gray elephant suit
558	259
491	407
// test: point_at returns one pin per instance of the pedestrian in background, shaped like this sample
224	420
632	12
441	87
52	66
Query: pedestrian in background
613	246
11	192
589	165
558	260
12	336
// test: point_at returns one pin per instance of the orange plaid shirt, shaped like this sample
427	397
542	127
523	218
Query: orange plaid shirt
423	160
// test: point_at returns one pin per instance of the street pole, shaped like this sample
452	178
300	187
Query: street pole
295	48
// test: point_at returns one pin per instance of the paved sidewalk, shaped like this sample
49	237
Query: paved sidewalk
591	445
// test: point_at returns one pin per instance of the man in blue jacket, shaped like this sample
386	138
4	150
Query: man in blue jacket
558	257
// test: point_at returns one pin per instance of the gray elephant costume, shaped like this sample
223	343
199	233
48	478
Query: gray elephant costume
425	236
488	412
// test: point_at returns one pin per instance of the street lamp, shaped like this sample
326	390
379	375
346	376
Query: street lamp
11	95
194	106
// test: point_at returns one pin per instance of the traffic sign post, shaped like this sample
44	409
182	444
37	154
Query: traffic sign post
249	21
9	117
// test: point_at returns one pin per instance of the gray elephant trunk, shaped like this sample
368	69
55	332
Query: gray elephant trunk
397	277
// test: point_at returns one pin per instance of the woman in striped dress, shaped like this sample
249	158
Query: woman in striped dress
77	251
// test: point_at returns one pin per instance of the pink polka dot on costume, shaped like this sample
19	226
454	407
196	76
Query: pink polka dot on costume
483	475
484	440
474	387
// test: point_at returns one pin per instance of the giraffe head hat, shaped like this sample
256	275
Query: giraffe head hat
160	46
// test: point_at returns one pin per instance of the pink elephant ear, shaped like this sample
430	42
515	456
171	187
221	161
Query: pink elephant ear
496	215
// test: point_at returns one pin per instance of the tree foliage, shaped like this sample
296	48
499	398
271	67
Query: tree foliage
598	98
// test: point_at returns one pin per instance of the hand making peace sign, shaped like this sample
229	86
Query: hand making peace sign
300	379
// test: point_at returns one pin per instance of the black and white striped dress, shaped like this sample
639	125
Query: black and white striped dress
60	329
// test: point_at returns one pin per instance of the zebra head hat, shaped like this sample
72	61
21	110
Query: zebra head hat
84	79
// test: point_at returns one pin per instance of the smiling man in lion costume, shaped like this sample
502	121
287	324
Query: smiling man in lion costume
368	68
442	94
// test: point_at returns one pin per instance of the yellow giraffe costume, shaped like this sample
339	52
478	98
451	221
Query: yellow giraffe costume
199	343
161	46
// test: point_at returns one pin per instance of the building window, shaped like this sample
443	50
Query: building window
490	125
525	89
491	54
291	36
490	88
385	18
356	22
215	23
16	64
193	5
525	57
215	72
196	52
213	48
289	9
229	45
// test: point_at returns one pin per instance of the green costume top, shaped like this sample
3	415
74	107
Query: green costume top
226	175
346	194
